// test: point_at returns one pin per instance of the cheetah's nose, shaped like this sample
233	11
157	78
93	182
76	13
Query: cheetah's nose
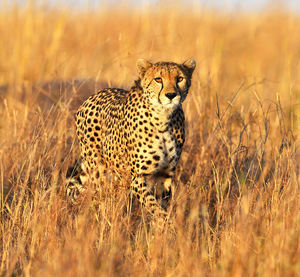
171	95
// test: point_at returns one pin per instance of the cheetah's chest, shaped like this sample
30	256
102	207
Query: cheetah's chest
168	151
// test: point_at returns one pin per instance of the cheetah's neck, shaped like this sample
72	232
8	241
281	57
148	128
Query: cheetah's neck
162	118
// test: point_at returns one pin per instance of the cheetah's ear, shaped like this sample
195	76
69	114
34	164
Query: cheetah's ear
190	64
142	65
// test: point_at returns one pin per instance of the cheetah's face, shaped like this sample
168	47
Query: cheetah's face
165	84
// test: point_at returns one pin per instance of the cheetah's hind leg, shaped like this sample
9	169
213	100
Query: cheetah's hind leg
74	186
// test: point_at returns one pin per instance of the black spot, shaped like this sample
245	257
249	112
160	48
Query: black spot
144	167
156	157
97	128
89	120
149	162
95	120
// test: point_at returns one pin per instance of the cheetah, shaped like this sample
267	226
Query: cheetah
138	133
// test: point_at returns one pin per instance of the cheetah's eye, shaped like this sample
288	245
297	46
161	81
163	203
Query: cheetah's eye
158	80
179	79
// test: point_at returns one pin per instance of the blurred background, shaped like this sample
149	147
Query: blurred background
229	5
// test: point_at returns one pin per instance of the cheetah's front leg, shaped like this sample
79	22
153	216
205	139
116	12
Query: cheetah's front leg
145	196
168	191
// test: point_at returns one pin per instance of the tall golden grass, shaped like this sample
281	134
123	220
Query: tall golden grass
236	210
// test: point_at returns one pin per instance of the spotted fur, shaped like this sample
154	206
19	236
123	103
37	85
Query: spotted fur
137	133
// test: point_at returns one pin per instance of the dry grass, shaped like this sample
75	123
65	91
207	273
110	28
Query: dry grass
236	208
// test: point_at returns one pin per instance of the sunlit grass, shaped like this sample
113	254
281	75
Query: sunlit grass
236	207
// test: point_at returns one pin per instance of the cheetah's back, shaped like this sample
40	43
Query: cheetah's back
99	123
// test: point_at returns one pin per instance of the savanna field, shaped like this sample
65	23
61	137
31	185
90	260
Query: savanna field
236	209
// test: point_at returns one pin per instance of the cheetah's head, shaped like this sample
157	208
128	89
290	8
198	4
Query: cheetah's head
165	84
